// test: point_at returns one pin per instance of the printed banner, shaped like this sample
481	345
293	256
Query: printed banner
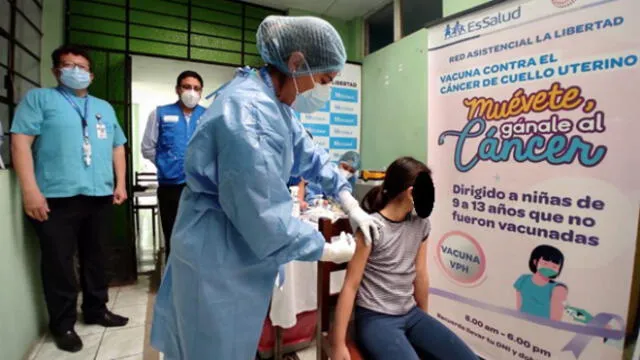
533	134
336	127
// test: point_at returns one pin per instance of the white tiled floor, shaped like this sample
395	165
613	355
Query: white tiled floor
126	343
120	344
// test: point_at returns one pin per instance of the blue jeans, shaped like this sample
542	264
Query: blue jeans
411	336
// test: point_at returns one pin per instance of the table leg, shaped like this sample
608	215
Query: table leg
136	219
153	224
277	350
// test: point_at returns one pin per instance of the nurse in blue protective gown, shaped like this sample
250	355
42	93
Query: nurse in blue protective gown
348	164
234	227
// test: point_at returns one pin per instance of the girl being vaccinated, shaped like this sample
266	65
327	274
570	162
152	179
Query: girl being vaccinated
388	281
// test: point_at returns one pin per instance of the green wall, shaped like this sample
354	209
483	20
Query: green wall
450	7
53	30
394	107
352	33
22	308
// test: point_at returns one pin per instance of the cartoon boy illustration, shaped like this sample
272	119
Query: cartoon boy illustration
538	293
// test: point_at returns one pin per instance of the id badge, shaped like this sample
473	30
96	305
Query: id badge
86	152
102	131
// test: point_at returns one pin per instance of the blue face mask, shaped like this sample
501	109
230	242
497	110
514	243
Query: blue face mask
75	78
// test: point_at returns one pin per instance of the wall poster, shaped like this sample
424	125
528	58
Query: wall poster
533	141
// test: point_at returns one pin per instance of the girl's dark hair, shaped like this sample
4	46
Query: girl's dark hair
400	176
548	253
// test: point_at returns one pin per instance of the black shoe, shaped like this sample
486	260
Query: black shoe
107	319
68	341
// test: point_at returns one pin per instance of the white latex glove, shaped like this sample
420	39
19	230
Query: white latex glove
369	225
339	251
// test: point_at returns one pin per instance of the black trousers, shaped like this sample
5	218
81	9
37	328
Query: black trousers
79	224
168	200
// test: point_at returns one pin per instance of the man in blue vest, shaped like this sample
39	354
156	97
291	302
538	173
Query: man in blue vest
168	131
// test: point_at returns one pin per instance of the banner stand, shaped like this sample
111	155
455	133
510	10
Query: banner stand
532	140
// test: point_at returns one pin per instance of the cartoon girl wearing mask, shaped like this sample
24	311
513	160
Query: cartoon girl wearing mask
538	293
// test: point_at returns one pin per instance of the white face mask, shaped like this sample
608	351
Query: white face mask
346	174
311	100
190	98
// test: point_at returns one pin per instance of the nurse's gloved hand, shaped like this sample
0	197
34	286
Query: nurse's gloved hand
369	225
339	251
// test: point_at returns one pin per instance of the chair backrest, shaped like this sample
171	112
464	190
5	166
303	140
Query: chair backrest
325	299
145	179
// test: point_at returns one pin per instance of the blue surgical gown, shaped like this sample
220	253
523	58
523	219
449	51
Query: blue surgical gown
234	225
312	189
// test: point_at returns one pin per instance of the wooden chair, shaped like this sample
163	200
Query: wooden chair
326	300
142	181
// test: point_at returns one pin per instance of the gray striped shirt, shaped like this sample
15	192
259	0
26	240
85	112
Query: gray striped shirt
387	282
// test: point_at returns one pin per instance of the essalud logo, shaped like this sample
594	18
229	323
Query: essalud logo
501	17
454	31
563	3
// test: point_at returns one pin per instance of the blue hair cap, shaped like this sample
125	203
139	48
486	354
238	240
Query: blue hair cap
279	37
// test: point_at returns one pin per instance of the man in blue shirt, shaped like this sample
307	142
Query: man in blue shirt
166	135
65	146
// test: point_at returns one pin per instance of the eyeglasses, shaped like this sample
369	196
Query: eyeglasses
70	65
187	87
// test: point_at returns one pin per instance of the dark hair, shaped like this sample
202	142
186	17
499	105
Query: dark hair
400	176
273	70
189	73
68	49
548	253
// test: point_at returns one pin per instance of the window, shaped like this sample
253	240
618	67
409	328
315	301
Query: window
219	31
398	19
417	13
20	37
379	27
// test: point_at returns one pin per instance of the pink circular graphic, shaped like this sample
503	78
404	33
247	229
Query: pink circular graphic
461	257
563	3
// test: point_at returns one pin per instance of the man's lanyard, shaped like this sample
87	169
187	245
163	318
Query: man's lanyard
83	117
86	144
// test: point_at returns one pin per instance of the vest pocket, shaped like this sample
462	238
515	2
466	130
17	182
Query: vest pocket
167	134
170	165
